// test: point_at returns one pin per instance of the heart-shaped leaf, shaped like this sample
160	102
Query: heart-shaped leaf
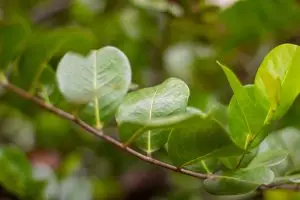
198	137
102	78
247	116
239	182
276	78
141	108
268	159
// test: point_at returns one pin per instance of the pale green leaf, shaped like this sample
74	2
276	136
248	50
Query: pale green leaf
239	182
102	78
288	140
146	108
268	159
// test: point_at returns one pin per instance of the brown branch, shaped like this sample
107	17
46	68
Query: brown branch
100	134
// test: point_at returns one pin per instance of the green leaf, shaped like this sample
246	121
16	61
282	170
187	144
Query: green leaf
249	21
287	140
207	166
247	116
198	137
276	78
294	178
15	170
239	182
39	52
231	162
146	108
48	88
248	131
13	38
268	159
102	79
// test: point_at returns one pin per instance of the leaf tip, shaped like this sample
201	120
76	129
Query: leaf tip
221	65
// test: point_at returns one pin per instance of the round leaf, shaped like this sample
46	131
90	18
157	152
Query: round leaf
103	77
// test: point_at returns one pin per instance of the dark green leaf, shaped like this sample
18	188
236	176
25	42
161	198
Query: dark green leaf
39	52
207	166
198	137
12	41
15	170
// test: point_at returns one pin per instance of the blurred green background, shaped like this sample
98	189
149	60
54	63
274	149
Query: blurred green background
162	38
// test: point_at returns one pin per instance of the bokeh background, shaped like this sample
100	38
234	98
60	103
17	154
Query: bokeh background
162	38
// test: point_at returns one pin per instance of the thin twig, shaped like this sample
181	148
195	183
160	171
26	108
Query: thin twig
99	133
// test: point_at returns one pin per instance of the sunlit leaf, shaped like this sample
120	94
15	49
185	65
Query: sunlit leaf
276	78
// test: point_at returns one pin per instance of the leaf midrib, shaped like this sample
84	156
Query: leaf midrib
95	73
149	118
